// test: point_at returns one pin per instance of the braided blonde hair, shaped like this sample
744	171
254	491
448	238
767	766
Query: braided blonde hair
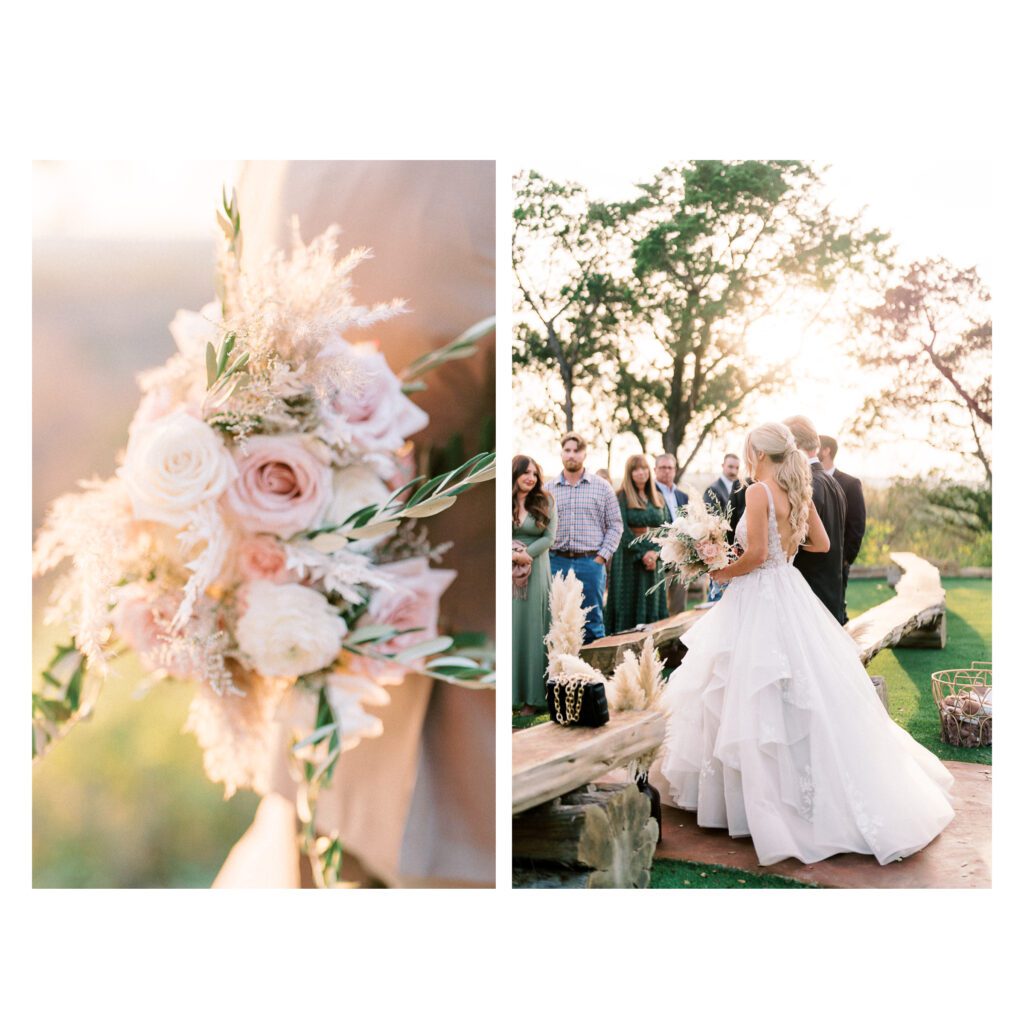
776	441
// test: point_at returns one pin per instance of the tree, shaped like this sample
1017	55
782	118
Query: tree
931	340
718	245
570	305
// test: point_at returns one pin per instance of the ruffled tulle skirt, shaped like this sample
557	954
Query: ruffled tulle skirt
775	732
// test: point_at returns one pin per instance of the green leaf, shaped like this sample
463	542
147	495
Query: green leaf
375	632
211	365
423	649
454	662
316	736
225	351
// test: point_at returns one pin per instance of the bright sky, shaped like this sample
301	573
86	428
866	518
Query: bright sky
93	199
930	208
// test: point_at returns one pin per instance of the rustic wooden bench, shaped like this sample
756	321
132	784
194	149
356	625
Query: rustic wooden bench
915	617
570	831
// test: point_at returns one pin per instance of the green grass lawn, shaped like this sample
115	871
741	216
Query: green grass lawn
908	671
683	874
122	800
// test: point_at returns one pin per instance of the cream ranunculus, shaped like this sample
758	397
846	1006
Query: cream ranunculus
174	464
355	487
287	629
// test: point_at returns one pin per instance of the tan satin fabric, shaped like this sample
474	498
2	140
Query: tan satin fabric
417	804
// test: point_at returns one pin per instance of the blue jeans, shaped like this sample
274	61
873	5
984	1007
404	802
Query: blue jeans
591	574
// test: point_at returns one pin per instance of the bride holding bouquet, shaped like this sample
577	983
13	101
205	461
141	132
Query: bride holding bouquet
774	728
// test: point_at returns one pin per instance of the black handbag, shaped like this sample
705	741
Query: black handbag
577	702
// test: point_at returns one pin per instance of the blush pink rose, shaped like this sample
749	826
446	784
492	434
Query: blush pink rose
412	602
372	411
282	488
142	618
260	557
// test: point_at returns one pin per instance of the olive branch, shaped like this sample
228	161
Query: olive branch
462	347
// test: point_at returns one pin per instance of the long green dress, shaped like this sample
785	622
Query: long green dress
628	602
532	617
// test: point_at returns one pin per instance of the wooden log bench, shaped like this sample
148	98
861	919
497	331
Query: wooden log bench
568	831
606	653
915	617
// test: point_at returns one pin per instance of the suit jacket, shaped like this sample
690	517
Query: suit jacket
718	499
856	515
824	572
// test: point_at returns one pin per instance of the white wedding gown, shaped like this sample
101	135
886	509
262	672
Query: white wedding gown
775	730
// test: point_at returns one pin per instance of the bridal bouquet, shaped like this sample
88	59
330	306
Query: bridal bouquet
694	543
262	535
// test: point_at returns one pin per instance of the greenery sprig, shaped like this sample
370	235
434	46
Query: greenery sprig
62	699
469	661
223	378
428	499
462	347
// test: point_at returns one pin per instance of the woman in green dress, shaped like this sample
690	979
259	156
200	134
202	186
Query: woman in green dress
533	524
636	567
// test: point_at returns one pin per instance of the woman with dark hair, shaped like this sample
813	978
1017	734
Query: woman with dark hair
533	529
635	565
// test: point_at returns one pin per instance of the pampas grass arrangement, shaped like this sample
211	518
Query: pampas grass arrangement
564	639
637	685
637	682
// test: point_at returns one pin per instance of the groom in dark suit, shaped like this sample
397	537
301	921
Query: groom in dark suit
823	572
856	512
726	490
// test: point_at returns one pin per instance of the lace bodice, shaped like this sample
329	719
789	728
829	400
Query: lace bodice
776	554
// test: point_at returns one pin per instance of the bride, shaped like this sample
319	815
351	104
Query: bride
774	728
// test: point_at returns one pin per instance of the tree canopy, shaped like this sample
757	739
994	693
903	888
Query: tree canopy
931	340
647	303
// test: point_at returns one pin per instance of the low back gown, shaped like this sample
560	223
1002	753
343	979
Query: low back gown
775	730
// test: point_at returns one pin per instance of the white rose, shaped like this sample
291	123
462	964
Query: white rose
287	629
355	487
696	530
173	464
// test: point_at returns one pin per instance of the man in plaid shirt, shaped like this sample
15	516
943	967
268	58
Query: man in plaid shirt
588	531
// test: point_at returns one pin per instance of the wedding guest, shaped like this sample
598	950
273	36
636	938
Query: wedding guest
856	512
636	568
726	493
533	530
588	529
605	475
675	499
822	570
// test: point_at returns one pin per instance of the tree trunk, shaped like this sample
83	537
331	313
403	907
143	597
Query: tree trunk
601	836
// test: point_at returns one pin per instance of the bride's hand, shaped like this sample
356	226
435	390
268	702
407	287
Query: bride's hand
719	576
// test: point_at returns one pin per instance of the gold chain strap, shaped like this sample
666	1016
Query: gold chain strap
572	701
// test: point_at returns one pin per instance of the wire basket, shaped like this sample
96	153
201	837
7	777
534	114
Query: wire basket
964	699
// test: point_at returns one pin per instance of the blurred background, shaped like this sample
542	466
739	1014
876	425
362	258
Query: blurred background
122	800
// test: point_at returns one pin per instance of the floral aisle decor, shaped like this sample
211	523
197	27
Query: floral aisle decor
262	535
693	544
